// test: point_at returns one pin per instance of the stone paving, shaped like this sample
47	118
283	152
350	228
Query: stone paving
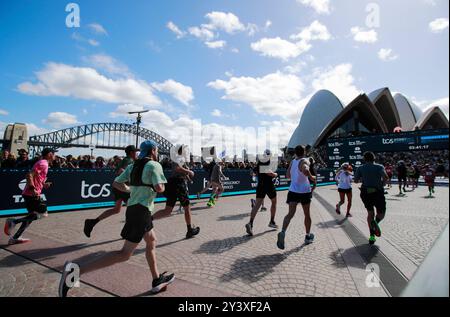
222	261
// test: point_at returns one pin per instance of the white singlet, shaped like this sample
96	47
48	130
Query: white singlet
300	183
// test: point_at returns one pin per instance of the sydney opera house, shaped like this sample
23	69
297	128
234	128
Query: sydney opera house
379	112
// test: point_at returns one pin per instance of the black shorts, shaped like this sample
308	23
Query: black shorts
345	191
374	200
119	195
402	178
177	189
266	189
35	204
138	222
304	199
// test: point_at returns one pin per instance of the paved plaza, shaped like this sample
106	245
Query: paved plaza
222	261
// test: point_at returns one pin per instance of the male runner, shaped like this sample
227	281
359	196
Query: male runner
209	169
119	197
177	189
402	172
36	207
390	172
299	192
373	176
217	178
146	179
265	188
430	176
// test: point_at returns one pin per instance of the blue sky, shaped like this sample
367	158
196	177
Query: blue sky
229	64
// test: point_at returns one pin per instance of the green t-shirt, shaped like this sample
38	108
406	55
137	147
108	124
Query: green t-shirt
143	195
127	161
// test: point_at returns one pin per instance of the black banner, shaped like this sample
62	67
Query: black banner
351	149
86	189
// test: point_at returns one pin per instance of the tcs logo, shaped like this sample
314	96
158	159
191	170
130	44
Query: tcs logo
94	190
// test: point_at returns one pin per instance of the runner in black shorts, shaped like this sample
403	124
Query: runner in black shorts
264	188
177	189
373	176
146	179
402	172
119	197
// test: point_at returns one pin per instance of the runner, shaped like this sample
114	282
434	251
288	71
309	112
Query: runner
390	172
344	179
146	179
372	176
254	174
410	173
217	178
209	169
119	197
177	189
401	175
429	175
299	192
265	187
36	207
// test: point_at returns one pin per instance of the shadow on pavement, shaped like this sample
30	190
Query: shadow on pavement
366	252
336	223
224	245
253	269
50	253
234	217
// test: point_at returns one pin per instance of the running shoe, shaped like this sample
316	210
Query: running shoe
376	228
20	240
309	238
9	226
349	215
199	195
161	282
263	209
273	225
432	190
372	240
89	225
280	241
64	286
338	209
249	229
192	232
253	202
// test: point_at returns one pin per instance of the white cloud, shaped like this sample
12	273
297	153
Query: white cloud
439	25
216	113
364	36
202	33
216	44
107	63
279	48
442	103
33	129
386	54
122	110
180	92
267	25
97	28
3	112
86	83
60	119
285	50
276	94
93	42
252	29
320	6
227	22
338	80
235	50
175	29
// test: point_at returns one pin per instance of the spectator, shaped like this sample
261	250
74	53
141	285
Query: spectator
23	161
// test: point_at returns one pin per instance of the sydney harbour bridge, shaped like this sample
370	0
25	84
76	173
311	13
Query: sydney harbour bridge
113	136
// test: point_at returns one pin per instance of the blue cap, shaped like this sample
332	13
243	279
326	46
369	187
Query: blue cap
146	147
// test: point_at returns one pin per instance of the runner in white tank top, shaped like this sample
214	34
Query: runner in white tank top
344	178
299	192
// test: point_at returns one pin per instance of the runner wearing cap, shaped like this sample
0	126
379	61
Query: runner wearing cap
119	197
36	207
146	179
264	188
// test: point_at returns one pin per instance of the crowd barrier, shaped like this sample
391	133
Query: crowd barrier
87	189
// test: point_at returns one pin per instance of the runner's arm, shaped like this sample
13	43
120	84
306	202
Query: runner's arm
288	172
119	182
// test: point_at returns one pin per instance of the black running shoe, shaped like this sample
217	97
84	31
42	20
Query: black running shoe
89	225
192	232
161	282
249	229
64	285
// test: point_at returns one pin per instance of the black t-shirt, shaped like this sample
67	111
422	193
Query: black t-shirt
401	170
